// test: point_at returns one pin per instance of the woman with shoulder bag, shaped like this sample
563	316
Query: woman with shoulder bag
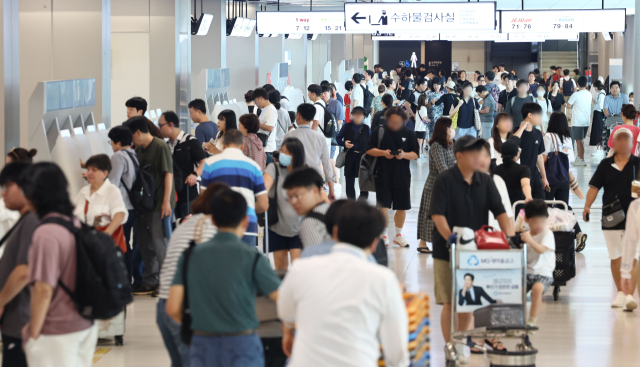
252	147
615	176
559	155
353	137
226	121
284	239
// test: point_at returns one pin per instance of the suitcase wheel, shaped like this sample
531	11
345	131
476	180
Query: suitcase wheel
556	292
119	339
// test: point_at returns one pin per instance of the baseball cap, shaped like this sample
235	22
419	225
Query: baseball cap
359	109
467	142
623	130
510	147
451	84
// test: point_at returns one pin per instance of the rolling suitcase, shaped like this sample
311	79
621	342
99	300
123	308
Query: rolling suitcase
112	329
565	261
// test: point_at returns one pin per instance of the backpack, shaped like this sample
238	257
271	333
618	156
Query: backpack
330	124
178	176
367	170
567	87
513	100
367	100
142	192
495	92
103	286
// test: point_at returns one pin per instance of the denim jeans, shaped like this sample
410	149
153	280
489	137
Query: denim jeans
132	256
250	240
226	351
170	330
460	132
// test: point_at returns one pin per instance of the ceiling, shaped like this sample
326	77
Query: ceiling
501	4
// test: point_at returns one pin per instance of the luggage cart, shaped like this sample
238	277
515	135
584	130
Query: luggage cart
565	252
507	321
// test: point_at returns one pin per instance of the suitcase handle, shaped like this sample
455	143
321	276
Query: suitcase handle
554	202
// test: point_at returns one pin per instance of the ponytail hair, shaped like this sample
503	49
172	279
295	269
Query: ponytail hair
22	155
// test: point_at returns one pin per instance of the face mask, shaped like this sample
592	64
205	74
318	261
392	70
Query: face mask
541	92
284	159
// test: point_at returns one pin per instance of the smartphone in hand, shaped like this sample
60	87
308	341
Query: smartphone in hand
394	152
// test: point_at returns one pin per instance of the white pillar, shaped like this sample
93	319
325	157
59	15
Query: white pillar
376	52
628	60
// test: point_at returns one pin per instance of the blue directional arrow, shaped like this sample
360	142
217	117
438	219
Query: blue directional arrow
355	17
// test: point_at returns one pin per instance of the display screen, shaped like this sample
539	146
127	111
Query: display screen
473	36
406	37
569	21
291	22
419	17
540	37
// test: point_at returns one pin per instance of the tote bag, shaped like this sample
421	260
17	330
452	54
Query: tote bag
557	165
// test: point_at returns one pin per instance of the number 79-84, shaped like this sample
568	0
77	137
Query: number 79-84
558	26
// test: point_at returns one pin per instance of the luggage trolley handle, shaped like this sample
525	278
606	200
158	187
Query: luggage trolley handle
553	202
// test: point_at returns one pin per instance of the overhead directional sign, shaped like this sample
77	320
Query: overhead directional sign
419	17
292	22
569	21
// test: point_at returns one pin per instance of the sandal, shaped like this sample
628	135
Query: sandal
496	345
475	348
424	250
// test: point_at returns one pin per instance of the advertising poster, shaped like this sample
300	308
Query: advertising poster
478	288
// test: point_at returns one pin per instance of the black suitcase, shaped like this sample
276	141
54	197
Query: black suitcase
565	261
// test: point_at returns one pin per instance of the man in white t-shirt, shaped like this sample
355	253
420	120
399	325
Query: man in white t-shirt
580	105
368	78
357	94
315	95
268	120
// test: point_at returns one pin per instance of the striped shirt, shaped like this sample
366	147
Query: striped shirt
198	228
242	174
312	230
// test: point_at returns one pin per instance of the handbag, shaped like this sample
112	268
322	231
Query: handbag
341	159
367	171
263	138
612	214
557	165
117	235
454	119
272	212
487	238
476	119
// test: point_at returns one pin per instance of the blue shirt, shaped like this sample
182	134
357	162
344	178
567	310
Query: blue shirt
340	99
614	105
205	131
242	174
337	108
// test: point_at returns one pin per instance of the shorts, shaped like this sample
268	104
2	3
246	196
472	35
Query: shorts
333	151
613	238
399	198
579	132
328	141
442	281
421	134
278	242
535	278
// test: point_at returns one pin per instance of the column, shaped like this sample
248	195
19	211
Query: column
636	49
628	69
376	52
11	75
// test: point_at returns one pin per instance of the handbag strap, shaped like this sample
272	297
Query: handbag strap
375	160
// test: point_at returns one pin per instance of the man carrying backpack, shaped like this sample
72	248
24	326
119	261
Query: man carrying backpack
154	226
188	159
123	175
568	87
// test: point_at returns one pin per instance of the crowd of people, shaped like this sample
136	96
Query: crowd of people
190	211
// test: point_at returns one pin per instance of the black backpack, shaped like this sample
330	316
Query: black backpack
567	87
142	192
178	176
367	100
103	286
330	123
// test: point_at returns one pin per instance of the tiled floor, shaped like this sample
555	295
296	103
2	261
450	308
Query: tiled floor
580	329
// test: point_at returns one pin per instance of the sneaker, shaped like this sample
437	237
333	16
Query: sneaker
143	290
400	241
630	304
155	293
386	241
619	302
462	358
579	162
581	241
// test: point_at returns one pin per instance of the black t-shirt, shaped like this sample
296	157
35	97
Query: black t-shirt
407	91
616	183
449	99
378	118
512	173
463	205
394	173
506	96
532	145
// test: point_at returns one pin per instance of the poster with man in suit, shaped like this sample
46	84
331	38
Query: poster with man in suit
482	287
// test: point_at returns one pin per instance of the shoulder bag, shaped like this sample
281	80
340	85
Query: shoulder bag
454	118
557	164
612	214
341	159
367	172
487	238
476	119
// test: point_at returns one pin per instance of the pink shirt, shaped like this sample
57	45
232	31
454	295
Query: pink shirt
635	130
52	257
